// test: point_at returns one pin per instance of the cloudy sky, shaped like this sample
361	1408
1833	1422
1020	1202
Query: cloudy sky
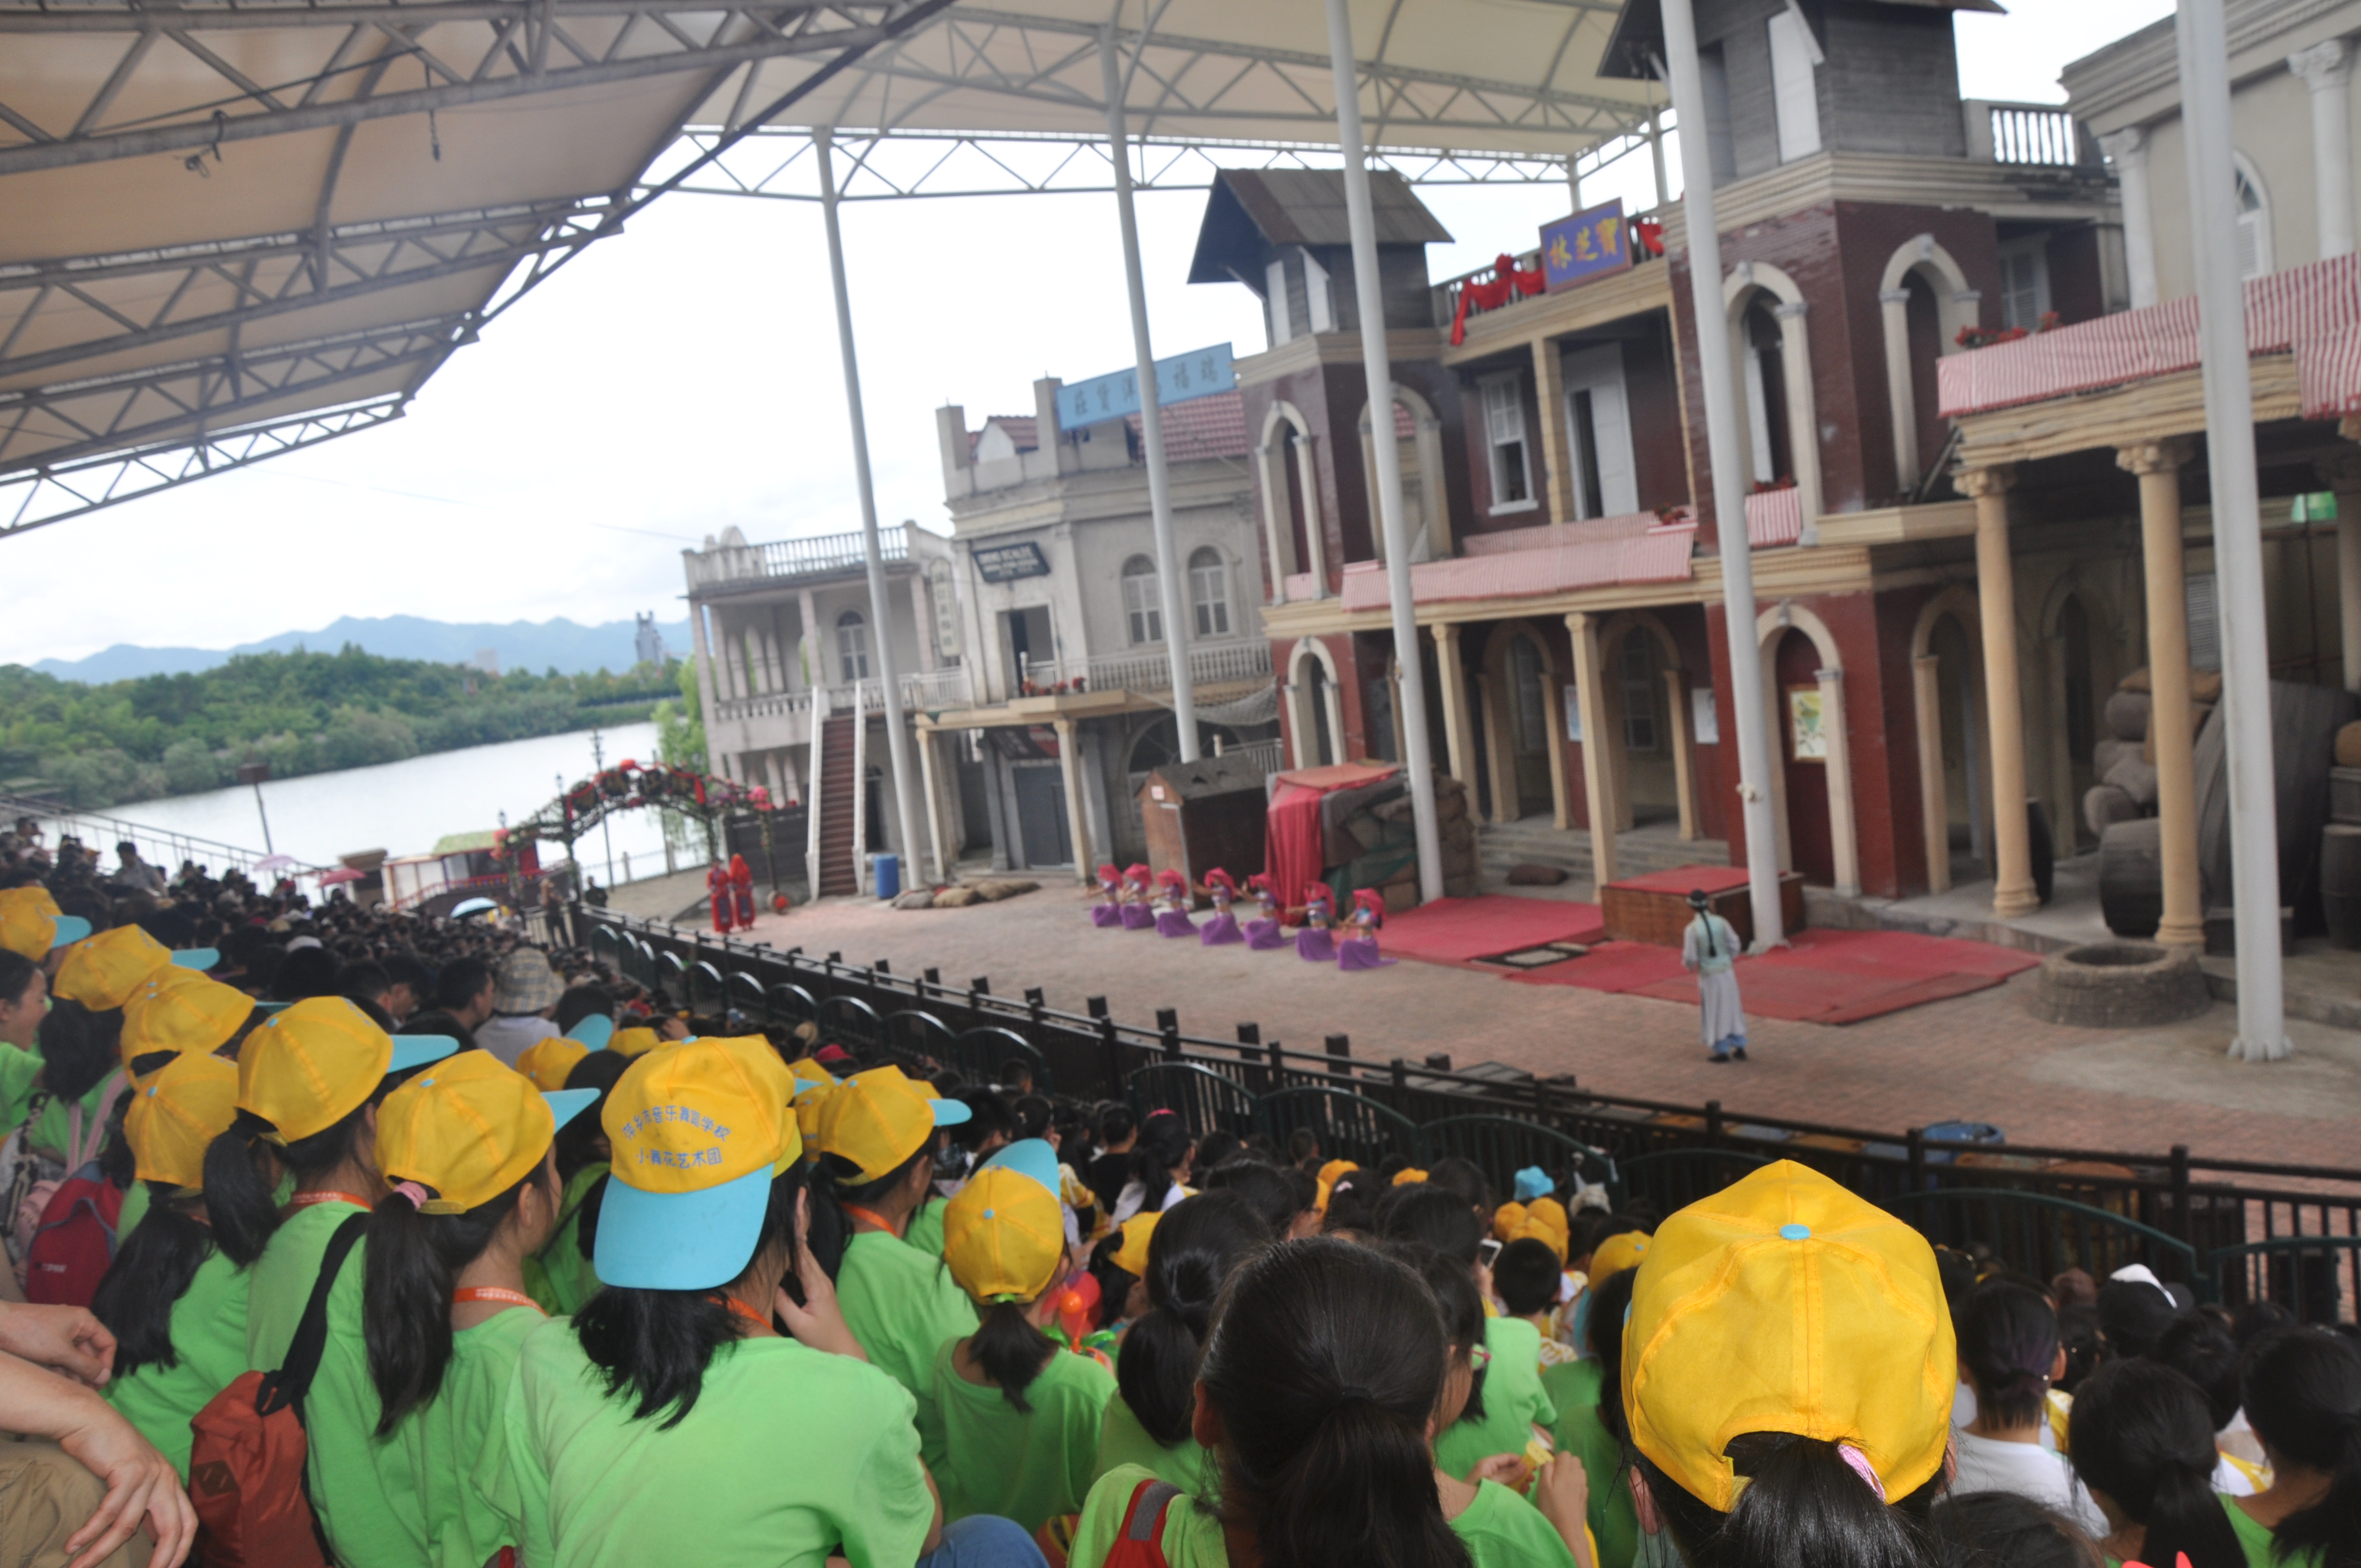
684	377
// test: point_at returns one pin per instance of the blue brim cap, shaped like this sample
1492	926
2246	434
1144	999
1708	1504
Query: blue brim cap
72	928
593	1031
1533	1182
952	1112
680	1240
1030	1157
417	1050
567	1103
198	959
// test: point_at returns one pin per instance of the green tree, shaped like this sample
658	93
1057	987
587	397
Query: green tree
680	731
189	767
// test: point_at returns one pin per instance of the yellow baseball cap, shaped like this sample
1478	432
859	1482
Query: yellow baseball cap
877	1119
1786	1304
305	1069
1328	1174
1131	1255
547	1062
1409	1175
1506	1219
697	1131
1618	1253
1004	1234
31	924
634	1042
469	1129
176	1113
108	970
194	1015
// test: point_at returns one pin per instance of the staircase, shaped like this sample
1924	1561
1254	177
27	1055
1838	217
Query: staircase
1532	841
834	877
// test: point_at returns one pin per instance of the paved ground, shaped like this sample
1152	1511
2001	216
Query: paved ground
1980	1057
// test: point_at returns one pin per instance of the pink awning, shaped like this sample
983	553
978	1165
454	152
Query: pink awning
1609	552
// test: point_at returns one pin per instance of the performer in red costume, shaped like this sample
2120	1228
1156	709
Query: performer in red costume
716	886
742	891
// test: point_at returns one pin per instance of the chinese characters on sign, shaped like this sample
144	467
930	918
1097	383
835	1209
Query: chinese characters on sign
1584	247
1199	373
1008	562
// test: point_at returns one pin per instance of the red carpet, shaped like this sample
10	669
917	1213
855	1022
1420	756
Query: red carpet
1826	977
1680	879
1461	931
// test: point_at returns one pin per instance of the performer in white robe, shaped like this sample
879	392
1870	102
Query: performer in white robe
1709	947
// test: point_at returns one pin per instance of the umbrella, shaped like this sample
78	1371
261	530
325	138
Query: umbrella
342	874
471	906
274	862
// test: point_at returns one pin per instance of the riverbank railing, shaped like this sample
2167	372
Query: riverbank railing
160	846
2231	1230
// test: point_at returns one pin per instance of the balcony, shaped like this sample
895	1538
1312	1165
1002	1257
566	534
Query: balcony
1150	669
1775	517
1445	294
739	566
2035	135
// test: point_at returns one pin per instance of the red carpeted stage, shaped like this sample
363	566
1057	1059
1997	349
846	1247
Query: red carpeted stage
1462	930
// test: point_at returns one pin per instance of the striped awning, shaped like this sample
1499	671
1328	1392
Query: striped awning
1534	562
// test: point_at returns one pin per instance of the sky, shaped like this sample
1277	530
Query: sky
684	377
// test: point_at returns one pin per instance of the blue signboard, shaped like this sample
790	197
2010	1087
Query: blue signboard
1199	373
1585	247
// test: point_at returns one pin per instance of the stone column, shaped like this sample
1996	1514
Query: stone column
2128	148
1676	693
1557	459
1900	395
1070	768
2342	475
709	679
1802	410
922	620
815	650
2012	892
1315	538
2171	725
1846	850
1502	751
1598	794
2326	70
1459	741
1554	723
926	739
1277	516
1934	800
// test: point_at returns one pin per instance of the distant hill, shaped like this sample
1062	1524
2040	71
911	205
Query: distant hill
564	645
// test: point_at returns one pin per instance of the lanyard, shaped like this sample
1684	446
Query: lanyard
494	1293
742	1309
871	1216
305	1199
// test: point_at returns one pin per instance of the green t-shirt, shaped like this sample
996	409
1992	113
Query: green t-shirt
368	1508
1123	1440
135	1209
926	1229
19	1072
19	1068
1514	1400
1030	1466
1192	1538
559	1277
1501	1529
1574	1386
903	1305
789	1454
440	1448
209	1339
2254	1541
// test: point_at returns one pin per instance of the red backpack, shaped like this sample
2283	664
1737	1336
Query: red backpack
1140	1542
75	1240
246	1464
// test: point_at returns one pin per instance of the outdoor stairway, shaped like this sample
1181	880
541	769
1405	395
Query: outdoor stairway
835	877
1532	841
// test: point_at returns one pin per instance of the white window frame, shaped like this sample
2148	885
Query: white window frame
1209	592
1600	372
1143	603
1794	87
2254	228
1503	397
2036	249
853	646
1274	283
1319	294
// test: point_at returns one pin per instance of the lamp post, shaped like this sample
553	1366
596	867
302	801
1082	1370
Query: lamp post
606	834
255	773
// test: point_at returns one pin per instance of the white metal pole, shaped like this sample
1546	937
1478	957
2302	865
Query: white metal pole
1687	87
2237	531
1376	363
1151	413
897	743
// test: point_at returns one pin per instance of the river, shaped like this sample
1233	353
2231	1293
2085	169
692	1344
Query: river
403	807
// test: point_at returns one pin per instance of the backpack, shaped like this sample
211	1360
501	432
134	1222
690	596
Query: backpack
69	1252
247	1463
34	1176
1140	1542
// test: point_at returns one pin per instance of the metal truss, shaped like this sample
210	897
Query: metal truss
36	497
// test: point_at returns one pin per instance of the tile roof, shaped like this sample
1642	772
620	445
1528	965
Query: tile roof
1204	428
1023	429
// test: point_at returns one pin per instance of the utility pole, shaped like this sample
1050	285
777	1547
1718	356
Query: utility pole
598	766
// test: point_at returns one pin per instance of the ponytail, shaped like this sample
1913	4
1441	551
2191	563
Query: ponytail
1611	1301
2008	1342
2302	1391
1325	1363
1803	1502
1010	1350
412	1263
1191	1256
152	1270
2140	1433
242	1169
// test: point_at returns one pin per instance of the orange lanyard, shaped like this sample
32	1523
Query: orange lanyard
742	1310
306	1199
871	1216
494	1293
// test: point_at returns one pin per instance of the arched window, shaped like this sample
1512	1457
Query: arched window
1143	605
2254	224
852	645
1209	592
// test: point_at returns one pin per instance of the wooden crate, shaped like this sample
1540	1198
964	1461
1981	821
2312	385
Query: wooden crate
1662	917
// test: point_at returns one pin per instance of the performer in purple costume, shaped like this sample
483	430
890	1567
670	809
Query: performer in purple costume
1138	914
1172	920
1315	944
1108	911
1262	932
1359	950
1224	926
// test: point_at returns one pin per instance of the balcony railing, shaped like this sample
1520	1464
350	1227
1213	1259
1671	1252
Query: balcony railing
766	705
1775	517
2038	135
1150	669
937	689
725	564
1446	293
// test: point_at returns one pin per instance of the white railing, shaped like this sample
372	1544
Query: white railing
2041	135
863	696
1269	755
723	565
939	689
769	704
160	846
1150	669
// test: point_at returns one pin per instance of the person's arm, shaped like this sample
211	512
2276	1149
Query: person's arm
141	1484
1562	1492
64	1339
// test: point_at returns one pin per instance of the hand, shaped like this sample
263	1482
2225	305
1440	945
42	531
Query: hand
140	1484
819	1322
1562	1492
1508	1469
66	1339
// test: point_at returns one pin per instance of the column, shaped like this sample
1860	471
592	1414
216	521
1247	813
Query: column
922	618
2128	150
815	649
1549	393
2171	725
1934	800
708	681
1847	851
1803	409
1677	696
1315	535
926	738
2326	70
1503	753
1277	520
1069	769
2342	475
1596	796
2012	892
1458	739
1554	722
1901	396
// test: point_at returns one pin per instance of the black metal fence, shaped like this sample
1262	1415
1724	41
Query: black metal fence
2233	1231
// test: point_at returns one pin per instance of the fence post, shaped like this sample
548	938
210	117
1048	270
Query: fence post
2184	1224
1033	1007
1278	1055
1340	1045
1096	1006
1915	1144
1713	1123
1541	1099
934	976
881	967
1110	1055
981	985
1167	1025
1398	1069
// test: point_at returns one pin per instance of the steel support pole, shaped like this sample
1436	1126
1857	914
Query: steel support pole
897	742
1151	415
1376	363
1728	465
2237	530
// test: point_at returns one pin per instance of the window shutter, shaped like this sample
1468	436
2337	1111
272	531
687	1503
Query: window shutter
1795	96
2202	595
1282	327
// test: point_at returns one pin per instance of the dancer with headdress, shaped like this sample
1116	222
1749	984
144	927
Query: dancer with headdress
1316	944
1224	926
1358	951
1709	946
741	891
1262	931
1108	910
1138	893
716	888
1172	919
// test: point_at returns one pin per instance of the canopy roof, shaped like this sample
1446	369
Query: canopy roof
230	228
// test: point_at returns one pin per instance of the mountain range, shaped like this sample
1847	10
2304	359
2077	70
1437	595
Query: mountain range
561	644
